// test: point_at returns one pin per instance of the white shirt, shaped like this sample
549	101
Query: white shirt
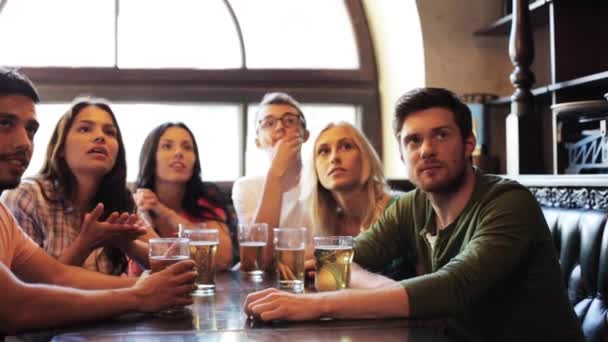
247	192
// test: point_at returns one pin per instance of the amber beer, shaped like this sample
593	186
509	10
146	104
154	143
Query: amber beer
159	263
165	252
203	253
252	257
333	257
252	242
332	267
203	249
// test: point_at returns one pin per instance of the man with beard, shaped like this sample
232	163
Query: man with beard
484	254
38	291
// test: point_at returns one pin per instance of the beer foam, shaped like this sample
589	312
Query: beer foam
253	244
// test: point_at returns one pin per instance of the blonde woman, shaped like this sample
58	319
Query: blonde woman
348	189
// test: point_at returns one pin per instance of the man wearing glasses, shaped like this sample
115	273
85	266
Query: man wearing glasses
274	198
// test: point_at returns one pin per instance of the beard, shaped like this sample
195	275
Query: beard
10	178
7	184
451	183
447	186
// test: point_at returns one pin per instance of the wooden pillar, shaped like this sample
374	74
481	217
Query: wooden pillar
523	126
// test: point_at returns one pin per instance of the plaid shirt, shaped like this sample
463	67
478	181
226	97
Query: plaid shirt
51	222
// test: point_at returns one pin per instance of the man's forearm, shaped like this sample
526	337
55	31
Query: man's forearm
28	306
269	211
48	307
269	208
363	279
385	302
42	268
81	278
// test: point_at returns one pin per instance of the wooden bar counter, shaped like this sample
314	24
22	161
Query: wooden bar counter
221	317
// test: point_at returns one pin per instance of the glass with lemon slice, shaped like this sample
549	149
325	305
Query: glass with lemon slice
333	256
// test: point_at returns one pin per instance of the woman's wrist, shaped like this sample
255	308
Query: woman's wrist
167	223
82	246
76	253
167	214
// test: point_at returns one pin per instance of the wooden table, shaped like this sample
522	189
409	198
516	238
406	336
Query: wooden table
220	317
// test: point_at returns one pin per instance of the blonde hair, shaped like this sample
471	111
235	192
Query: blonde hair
323	207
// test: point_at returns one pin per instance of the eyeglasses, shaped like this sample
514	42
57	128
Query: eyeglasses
289	120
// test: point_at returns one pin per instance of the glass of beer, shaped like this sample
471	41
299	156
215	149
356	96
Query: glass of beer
196	225
289	247
203	248
252	240
165	252
333	256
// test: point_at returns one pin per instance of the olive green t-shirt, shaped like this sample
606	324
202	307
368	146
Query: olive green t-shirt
493	272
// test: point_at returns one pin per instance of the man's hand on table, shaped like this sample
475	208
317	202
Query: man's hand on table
168	288
272	304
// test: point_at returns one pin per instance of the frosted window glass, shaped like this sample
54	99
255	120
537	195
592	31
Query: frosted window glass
176	34
296	34
73	33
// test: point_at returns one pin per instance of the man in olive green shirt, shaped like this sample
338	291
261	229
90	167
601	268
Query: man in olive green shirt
483	252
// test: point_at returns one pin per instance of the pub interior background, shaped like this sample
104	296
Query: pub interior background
536	81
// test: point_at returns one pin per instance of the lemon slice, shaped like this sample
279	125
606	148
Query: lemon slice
328	278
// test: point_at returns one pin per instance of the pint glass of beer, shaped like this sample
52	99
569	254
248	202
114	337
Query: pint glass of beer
333	256
203	248
165	252
252	241
289	248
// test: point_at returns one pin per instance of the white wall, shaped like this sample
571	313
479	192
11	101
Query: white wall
454	57
397	38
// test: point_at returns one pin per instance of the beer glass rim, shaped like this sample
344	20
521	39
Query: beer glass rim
247	225
287	229
193	225
198	235
200	230
252	232
334	240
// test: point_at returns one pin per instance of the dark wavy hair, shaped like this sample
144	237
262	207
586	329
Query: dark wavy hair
12	82
195	187
112	190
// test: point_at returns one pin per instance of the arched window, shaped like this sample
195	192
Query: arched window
206	63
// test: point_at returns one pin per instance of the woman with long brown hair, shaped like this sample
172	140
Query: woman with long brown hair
171	190
78	207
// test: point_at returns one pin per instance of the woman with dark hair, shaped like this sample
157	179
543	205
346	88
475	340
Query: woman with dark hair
78	208
171	190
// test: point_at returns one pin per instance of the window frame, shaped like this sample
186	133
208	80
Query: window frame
358	87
